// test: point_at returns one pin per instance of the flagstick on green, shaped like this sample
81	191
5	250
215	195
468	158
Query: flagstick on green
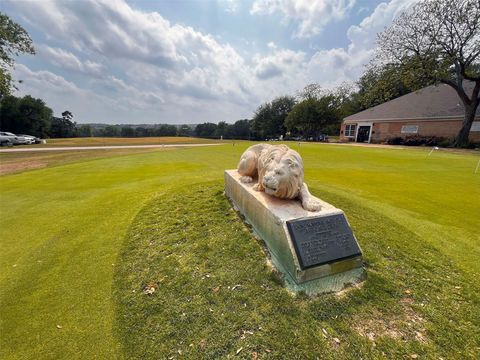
434	148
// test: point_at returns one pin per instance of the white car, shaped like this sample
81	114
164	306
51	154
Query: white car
21	140
30	139
8	139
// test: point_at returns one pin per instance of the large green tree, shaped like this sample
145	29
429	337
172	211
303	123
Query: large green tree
84	131
14	40
312	116
269	119
184	130
127	131
440	40
311	91
206	130
346	101
25	115
384	82
166	130
67	115
241	129
62	128
221	130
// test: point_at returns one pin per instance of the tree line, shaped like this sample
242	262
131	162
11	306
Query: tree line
128	130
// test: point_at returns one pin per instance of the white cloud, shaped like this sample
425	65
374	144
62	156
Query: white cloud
110	28
119	103
280	62
68	61
331	67
61	94
175	55
364	34
46	80
65	94
230	6
312	15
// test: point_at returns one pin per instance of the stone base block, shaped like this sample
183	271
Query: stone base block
301	263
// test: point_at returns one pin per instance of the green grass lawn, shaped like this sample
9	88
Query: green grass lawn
80	240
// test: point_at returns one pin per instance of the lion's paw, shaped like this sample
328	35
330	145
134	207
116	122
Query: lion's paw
311	205
246	179
257	187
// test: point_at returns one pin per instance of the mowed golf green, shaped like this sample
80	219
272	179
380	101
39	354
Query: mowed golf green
74	259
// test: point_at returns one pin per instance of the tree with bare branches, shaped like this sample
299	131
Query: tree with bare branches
440	39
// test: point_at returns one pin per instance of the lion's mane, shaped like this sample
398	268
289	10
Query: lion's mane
280	171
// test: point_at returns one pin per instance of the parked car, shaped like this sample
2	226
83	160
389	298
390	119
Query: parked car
31	139
8	139
323	137
21	140
5	141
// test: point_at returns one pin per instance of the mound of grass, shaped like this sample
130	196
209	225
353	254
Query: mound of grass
215	296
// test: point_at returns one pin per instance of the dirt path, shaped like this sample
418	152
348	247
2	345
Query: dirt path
75	148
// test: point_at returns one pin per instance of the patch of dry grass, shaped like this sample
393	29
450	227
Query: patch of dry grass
22	161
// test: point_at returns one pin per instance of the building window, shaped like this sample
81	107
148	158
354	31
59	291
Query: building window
350	130
409	129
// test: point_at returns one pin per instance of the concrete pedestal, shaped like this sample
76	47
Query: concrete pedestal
268	216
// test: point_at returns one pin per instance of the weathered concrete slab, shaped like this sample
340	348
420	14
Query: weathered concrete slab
269	217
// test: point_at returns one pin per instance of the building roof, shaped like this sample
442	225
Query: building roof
435	101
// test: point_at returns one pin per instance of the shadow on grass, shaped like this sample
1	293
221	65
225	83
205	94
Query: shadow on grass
216	297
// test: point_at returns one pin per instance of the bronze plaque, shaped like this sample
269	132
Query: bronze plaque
322	240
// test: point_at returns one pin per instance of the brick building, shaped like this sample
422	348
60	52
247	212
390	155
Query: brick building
432	111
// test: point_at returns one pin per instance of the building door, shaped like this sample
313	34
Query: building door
363	134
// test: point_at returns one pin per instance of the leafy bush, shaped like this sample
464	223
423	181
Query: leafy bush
418	140
395	141
445	143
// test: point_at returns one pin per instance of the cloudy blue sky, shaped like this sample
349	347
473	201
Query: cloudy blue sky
177	62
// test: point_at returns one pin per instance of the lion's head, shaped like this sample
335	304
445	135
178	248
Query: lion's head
282	170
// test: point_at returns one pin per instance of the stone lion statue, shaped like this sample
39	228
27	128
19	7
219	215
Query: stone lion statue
279	170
